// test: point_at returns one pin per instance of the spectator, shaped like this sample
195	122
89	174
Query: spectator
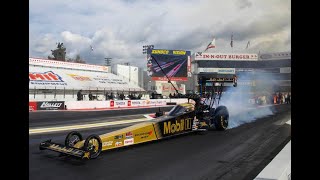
289	99
107	96
170	95
275	99
90	96
152	95
79	95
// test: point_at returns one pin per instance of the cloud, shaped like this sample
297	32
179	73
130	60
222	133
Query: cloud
119	29
243	4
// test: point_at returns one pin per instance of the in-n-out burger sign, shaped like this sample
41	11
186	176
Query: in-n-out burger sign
220	56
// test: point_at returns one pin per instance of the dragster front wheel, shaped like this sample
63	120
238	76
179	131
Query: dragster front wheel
72	138
93	144
221	118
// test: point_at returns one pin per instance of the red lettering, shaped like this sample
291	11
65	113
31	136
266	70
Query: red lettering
47	77
206	56
35	76
212	56
39	76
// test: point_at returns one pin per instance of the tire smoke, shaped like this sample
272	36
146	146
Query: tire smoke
240	101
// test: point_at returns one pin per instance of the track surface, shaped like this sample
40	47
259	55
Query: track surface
238	153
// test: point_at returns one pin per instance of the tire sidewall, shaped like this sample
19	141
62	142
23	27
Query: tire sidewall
221	111
86	145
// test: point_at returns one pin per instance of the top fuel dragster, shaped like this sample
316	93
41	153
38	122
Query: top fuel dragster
193	116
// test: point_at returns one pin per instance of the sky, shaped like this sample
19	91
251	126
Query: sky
119	29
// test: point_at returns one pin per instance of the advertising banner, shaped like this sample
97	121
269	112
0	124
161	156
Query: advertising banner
226	56
217	70
64	64
136	103
176	64
50	105
32	106
121	103
46	78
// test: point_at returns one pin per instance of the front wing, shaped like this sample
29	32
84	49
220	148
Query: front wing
63	149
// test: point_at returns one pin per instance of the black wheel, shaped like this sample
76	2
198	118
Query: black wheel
93	144
72	138
221	118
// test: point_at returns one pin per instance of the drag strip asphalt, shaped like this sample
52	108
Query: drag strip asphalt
238	153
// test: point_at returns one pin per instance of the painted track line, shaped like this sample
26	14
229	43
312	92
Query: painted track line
84	126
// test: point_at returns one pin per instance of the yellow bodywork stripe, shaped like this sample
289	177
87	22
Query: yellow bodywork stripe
84	126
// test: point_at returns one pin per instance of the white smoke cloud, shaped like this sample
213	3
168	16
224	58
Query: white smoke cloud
236	99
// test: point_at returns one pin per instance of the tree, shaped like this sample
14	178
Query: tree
78	59
59	53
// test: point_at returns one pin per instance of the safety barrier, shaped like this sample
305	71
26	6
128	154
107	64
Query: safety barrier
91	105
279	168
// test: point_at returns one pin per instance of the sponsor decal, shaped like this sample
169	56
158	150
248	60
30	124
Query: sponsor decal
80	78
50	105
108	143
118	143
177	126
135	102
179	52
217	70
120	103
171	78
226	71
129	135
144	134
147	101
32	106
45	78
221	79
160	51
128	141
111	103
129	103
118	137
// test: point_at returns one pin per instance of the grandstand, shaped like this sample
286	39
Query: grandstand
51	80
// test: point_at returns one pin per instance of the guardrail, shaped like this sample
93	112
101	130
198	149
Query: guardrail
279	168
87	105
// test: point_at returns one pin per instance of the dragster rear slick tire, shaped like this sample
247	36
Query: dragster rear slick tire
221	118
76	138
93	144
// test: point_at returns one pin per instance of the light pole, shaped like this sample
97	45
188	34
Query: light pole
145	50
107	61
146	47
